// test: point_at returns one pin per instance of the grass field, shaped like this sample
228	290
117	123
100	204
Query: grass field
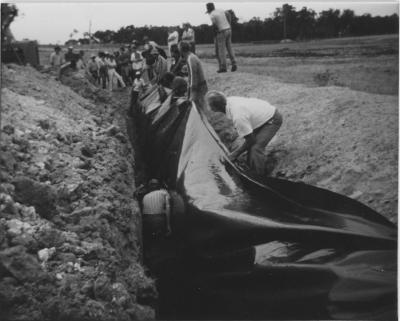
364	63
367	64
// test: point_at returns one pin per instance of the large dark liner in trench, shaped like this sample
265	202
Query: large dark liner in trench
246	250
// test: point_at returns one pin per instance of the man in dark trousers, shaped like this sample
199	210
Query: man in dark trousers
223	37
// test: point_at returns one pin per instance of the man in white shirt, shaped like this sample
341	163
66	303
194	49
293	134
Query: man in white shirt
173	38
188	36
223	37
56	58
257	121
136	59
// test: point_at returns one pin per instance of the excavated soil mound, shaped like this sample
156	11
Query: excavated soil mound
332	137
69	226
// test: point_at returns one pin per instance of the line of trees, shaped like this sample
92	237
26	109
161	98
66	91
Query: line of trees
285	23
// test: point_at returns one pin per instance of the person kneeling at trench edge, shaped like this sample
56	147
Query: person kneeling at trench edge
179	90
156	211
257	121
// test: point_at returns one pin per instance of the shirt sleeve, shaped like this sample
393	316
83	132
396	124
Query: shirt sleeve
243	126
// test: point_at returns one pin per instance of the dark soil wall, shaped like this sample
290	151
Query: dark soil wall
69	226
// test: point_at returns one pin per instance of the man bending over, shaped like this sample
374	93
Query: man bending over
255	120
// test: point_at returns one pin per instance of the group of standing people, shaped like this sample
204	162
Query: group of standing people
146	64
60	61
188	36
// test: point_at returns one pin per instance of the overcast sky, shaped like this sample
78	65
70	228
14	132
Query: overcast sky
54	22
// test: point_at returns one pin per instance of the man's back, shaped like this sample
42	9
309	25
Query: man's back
155	202
248	114
219	19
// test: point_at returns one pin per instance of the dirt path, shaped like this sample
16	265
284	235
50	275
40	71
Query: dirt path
332	137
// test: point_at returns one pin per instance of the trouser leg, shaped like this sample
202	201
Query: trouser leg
119	78
257	158
217	52
126	74
228	43
221	49
110	79
103	77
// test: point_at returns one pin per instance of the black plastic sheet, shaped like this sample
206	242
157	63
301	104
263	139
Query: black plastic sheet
252	250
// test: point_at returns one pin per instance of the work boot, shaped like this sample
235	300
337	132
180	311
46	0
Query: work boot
234	68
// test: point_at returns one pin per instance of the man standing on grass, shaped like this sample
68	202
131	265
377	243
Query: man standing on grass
188	36
223	37
136	60
255	120
173	38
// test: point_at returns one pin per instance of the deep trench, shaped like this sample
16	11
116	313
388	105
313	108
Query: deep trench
223	281
175	295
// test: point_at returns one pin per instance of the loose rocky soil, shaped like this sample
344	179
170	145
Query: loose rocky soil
69	226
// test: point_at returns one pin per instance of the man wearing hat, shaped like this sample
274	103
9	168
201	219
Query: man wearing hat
223	37
148	45
154	68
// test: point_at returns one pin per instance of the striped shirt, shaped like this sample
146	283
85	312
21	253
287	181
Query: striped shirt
156	202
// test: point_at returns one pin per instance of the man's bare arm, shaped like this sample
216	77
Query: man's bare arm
249	141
